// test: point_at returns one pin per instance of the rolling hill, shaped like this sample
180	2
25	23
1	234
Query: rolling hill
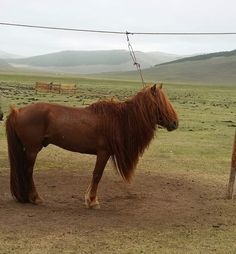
214	68
84	62
4	65
5	55
204	56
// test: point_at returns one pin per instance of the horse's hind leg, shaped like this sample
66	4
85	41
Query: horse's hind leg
91	200
30	161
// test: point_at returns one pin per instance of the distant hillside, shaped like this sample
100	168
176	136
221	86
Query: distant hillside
4	65
213	68
216	68
203	57
5	55
74	58
82	62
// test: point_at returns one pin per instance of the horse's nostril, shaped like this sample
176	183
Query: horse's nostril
175	124
172	126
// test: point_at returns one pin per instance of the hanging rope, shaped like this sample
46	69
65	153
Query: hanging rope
132	54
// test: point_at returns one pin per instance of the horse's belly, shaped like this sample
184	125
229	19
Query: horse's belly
76	147
82	142
76	131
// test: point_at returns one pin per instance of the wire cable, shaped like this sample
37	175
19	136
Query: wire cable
117	32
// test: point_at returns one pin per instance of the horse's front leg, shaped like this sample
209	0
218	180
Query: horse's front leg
91	200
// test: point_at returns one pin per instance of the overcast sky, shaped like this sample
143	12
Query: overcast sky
121	15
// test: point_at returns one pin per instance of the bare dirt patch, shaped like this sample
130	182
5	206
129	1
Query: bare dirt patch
133	218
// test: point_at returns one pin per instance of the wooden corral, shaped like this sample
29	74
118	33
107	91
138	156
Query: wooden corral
68	88
55	88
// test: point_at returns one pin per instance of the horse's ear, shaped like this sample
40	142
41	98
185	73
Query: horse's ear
153	89
161	85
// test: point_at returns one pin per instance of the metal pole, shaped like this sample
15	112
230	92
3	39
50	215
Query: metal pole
232	172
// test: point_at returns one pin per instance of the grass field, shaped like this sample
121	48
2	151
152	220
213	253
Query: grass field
176	203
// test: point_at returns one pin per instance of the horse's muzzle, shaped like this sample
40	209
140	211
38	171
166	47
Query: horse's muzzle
173	126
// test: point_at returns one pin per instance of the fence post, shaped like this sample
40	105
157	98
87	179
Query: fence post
232	171
1	112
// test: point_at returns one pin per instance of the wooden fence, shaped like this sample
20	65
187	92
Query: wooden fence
55	88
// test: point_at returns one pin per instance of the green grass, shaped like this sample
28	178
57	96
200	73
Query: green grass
31	78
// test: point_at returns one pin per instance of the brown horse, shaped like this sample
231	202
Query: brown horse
120	130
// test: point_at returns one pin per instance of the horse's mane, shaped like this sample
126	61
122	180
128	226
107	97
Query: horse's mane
129	127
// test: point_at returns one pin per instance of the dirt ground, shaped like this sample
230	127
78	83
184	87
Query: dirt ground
155	214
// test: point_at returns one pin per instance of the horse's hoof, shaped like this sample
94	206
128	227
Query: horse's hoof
94	204
36	200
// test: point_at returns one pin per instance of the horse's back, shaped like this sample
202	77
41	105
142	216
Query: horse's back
38	113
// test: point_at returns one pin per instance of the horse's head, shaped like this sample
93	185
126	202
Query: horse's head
166	114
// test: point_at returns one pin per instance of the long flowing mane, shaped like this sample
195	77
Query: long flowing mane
129	127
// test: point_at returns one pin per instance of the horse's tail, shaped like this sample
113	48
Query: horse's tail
19	177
